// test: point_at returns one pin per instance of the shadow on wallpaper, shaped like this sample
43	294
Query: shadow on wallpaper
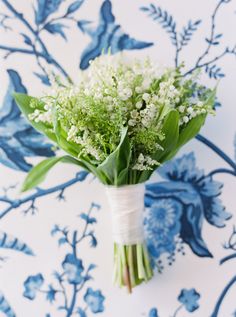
176	207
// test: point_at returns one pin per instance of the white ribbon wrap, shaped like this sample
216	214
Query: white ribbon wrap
127	205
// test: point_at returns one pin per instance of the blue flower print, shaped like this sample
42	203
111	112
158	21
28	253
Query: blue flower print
32	285
94	300
73	268
162	223
196	193
153	313
184	169
189	298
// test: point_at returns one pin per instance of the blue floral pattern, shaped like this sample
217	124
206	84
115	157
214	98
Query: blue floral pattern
32	285
73	268
74	277
162	225
94	299
189	298
189	301
194	195
178	205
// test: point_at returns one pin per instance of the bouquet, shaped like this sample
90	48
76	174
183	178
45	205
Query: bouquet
121	121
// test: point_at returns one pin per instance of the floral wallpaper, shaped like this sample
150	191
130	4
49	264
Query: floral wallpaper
55	241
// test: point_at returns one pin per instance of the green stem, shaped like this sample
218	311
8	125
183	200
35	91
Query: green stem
147	262
141	271
132	266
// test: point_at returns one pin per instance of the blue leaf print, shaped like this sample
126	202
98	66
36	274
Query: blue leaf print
27	39
108	35
153	313
88	219
5	307
81	312
187	32
165	19
45	8
44	78
74	6
51	294
17	138
214	71
192	222
9	242
56	28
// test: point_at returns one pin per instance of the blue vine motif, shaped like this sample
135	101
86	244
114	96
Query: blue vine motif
165	19
182	38
72	279
229	245
107	36
30	200
33	41
188	299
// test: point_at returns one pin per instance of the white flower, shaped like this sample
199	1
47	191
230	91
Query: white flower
134	114
185	119
72	133
146	96
125	93
181	109
152	108
200	104
155	98
141	158
132	122
145	122
193	114
138	89
128	92
190	110
139	105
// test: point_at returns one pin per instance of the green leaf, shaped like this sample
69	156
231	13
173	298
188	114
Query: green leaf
145	175
117	162
70	147
211	99
191	130
171	130
188	133
38	173
23	102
